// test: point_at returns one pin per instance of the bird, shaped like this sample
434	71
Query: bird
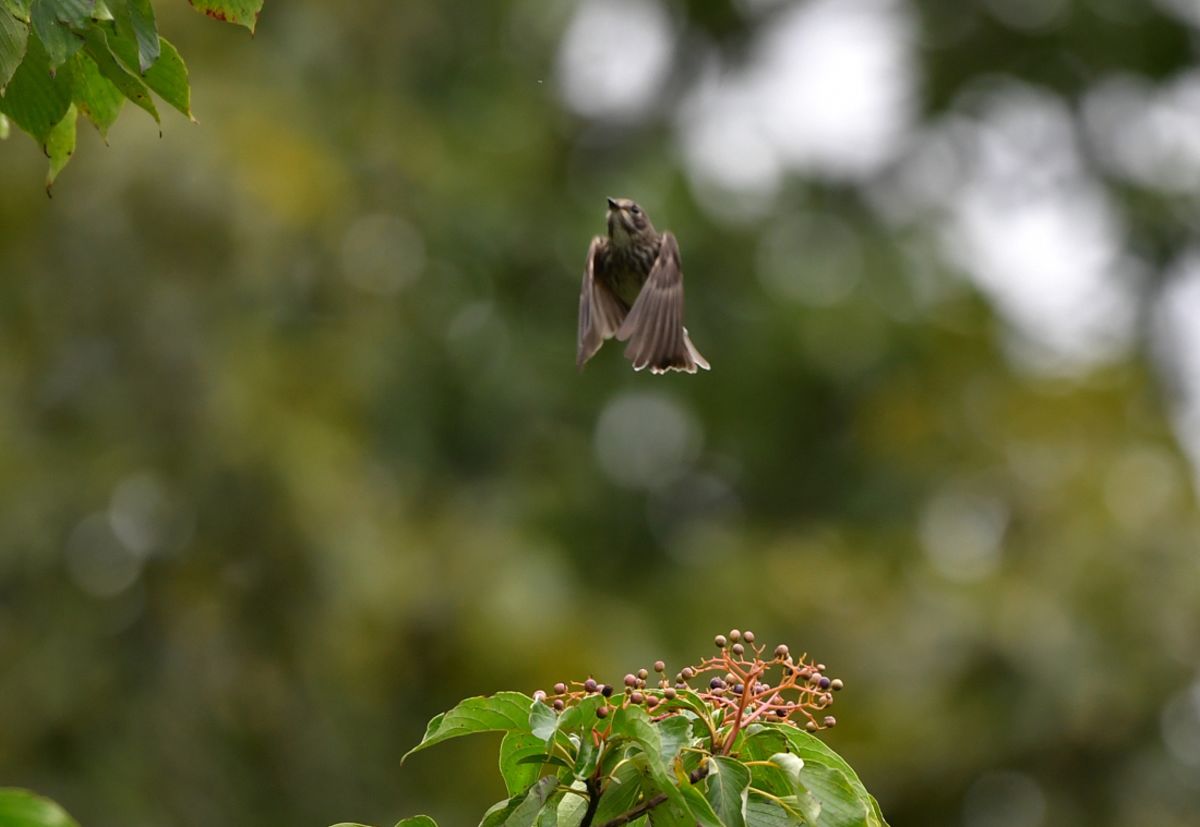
633	290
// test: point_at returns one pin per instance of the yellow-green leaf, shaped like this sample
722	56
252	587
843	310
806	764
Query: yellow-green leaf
21	808
60	145
241	12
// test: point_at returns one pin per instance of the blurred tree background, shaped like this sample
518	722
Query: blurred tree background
294	454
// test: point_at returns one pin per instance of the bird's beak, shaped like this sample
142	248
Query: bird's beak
612	204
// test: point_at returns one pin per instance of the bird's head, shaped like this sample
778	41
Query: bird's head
627	221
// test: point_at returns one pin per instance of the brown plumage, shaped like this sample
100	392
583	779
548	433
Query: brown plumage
633	289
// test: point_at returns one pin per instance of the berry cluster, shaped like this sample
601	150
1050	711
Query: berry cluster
736	687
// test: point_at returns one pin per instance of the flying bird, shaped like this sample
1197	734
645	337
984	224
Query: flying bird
633	289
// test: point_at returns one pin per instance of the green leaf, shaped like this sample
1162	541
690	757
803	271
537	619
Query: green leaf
571	808
135	21
701	812
168	77
633	723
241	12
13	36
502	712
841	804
543	721
94	95
417	821
21	808
5	127
517	772
800	799
129	85
55	33
728	783
73	12
17	8
675	733
762	812
60	145
35	99
522	810
622	791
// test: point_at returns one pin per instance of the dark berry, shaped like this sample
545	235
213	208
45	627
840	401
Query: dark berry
560	688
659	666
558	704
636	697
589	685
738	689
824	682
606	691
652	701
716	683
602	712
782	713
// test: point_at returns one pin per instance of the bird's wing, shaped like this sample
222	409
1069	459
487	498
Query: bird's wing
600	311
654	326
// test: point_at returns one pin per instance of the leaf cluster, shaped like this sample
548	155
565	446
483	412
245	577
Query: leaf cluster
607	761
60	59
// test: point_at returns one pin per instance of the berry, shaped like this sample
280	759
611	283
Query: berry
589	685
602	712
539	695
716	683
688	673
558	704
669	693
815	677
824	682
606	691
659	666
781	651
643	674
836	684
782	713
748	636
735	635
739	649
636	697
720	641
830	721
811	726
738	689
560	688
652	701
630	680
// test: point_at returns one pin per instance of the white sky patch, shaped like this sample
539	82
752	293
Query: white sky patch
1039	237
614	56
1147	135
829	91
1177	343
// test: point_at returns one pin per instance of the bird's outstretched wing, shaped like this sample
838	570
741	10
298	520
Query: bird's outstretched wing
654	326
600	311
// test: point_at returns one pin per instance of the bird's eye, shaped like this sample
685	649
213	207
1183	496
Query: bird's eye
635	210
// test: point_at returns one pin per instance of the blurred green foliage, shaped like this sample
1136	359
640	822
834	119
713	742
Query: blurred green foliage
293	454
